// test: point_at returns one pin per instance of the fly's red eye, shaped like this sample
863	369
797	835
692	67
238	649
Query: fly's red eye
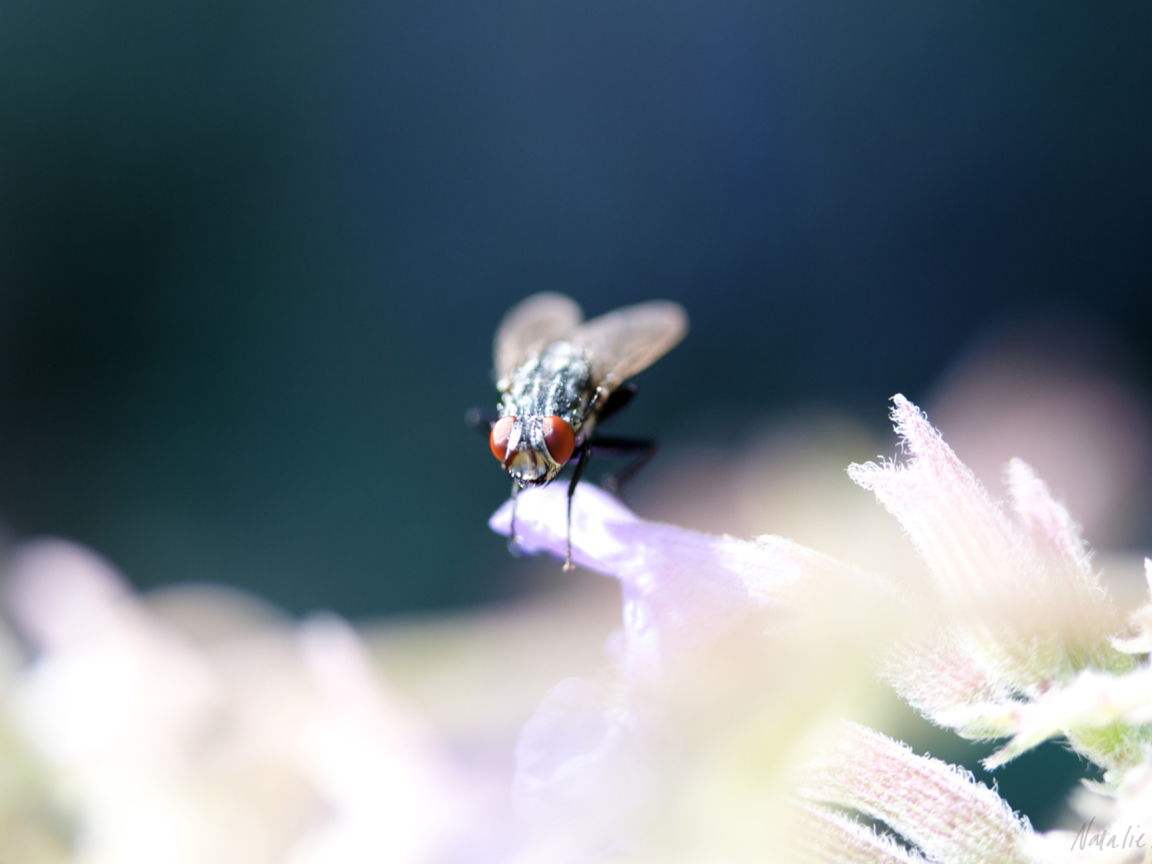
560	438
501	429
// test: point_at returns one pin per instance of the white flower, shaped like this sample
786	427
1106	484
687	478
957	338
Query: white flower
252	743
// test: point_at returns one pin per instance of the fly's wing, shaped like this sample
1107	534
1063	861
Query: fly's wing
629	340
532	325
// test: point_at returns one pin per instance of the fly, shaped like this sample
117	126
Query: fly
560	377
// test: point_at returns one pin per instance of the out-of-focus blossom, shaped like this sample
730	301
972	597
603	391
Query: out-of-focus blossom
268	743
32	829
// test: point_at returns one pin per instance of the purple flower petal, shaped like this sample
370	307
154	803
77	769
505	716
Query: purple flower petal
680	587
585	771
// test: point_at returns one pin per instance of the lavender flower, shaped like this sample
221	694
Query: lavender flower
714	631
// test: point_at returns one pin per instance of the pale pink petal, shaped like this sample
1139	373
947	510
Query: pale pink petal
1073	602
971	549
823	836
942	678
65	596
938	807
1022	590
388	793
1049	526
105	674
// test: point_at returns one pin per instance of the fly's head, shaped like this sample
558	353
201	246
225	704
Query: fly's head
545	411
532	448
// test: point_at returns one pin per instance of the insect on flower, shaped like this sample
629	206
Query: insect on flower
561	376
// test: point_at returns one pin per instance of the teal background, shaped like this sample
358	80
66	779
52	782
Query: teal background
252	254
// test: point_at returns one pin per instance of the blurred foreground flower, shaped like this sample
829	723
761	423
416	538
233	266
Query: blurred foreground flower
235	738
203	728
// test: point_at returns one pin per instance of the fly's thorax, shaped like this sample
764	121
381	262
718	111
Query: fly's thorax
555	383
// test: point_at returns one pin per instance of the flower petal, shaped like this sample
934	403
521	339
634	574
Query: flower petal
585	772
1031	607
1094	701
823	836
941	678
938	807
1141	621
681	587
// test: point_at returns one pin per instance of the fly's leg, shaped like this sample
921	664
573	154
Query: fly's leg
513	541
584	450
642	448
617	401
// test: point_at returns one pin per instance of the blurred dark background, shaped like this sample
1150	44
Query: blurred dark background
252	254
